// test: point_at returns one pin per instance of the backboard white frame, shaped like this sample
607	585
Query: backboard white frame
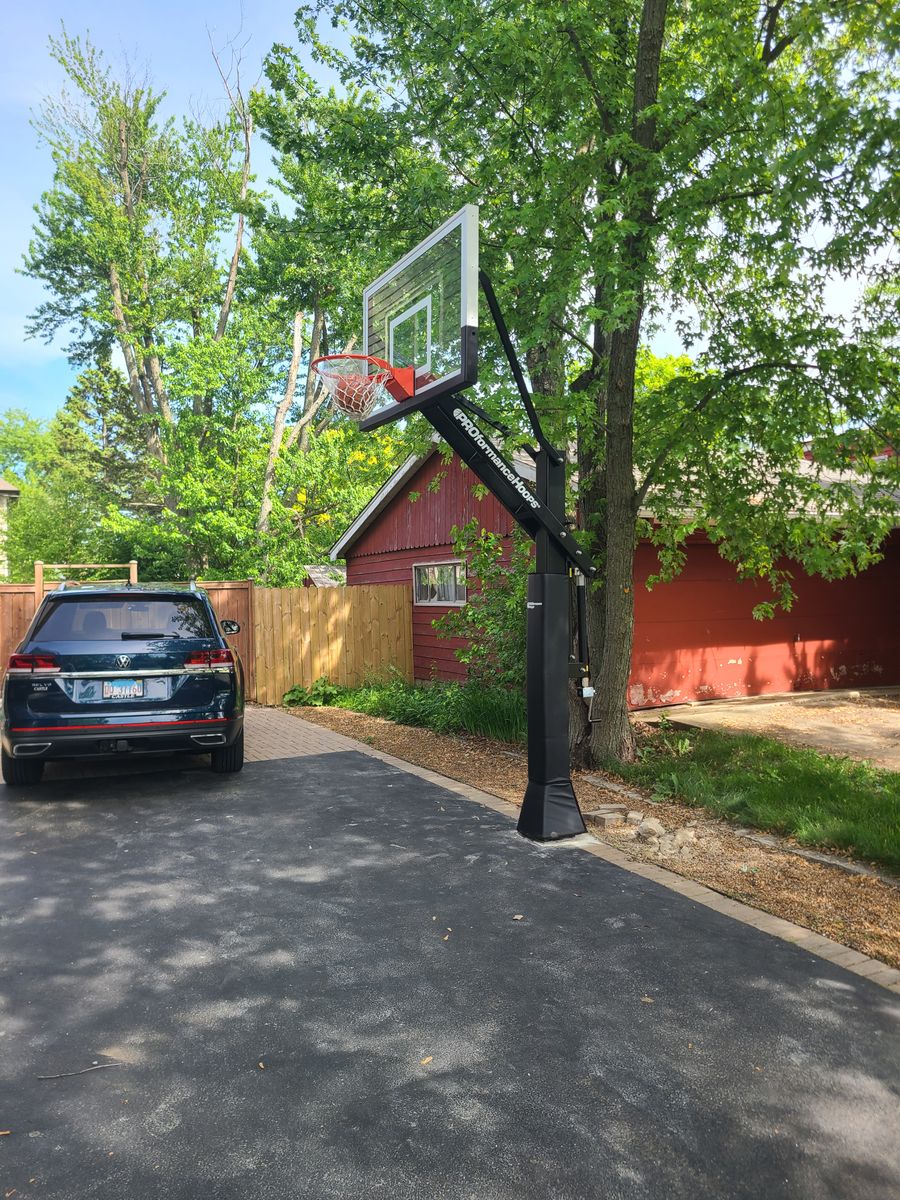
467	221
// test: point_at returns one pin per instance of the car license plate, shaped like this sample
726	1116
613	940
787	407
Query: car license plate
123	689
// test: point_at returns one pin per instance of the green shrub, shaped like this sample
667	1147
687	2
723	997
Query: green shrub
319	695
494	712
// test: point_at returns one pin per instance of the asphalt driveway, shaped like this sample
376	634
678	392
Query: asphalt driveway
314	981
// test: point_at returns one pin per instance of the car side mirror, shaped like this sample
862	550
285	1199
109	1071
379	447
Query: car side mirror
230	627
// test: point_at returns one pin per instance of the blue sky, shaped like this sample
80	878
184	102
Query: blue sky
171	39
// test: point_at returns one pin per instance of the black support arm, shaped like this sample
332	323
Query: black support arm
459	431
511	357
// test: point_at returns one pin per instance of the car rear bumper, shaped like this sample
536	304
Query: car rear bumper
143	737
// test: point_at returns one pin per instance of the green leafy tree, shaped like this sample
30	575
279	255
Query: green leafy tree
725	165
214	457
23	442
87	459
130	241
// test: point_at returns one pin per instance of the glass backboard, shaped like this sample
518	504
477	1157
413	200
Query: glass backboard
423	313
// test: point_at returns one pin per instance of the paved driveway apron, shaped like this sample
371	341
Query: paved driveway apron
315	983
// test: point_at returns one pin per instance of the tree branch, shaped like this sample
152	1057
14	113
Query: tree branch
772	48
241	110
726	377
265	508
588	72
315	398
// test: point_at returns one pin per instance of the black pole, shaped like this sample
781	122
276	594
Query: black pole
550	809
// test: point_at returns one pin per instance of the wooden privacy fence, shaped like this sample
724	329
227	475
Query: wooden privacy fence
17	606
288	635
232	600
347	634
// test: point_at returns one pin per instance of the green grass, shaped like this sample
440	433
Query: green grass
819	799
443	707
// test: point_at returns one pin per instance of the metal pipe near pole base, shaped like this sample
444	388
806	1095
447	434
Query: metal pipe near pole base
550	810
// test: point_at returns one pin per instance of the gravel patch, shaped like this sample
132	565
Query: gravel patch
859	911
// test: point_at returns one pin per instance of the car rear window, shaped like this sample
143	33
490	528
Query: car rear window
115	619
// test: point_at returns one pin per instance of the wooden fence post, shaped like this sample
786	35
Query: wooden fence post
251	640
38	584
132	571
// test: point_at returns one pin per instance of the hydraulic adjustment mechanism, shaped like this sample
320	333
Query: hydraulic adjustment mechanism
581	660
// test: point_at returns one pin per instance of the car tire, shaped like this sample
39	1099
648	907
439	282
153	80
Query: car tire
228	759
20	772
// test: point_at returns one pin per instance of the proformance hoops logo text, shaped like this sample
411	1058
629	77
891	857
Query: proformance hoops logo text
483	444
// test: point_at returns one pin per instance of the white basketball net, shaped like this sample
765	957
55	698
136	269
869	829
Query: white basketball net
350	385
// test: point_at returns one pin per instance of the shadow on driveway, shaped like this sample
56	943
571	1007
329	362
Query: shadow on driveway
271	956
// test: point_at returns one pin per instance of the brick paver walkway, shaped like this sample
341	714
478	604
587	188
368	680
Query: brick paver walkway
270	733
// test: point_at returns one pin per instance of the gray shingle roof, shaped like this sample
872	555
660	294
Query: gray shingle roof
327	575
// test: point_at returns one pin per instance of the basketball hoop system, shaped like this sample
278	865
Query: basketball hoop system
358	382
423	311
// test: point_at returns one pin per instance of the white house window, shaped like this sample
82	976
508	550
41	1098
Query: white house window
439	583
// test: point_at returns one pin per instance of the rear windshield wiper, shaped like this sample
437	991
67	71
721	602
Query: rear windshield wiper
145	637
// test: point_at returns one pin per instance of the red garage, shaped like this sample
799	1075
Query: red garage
695	638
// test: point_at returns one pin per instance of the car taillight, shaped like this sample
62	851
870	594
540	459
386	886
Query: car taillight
27	664
209	658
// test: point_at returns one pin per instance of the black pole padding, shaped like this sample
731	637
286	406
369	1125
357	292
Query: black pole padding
550	810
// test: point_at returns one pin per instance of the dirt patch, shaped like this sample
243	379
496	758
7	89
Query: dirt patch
859	911
861	726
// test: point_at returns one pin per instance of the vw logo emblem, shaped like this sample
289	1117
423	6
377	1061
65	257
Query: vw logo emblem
123	660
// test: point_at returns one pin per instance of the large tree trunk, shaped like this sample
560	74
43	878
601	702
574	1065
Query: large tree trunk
315	395
228	299
612	737
138	383
611	734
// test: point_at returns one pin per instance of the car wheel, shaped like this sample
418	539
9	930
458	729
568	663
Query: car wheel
228	759
19	772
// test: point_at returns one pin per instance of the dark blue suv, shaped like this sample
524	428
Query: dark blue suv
122	669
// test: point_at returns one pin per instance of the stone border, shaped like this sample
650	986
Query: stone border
825	948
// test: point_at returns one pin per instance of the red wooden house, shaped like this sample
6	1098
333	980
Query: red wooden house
695	638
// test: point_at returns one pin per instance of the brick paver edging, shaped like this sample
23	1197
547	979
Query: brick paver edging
842	956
